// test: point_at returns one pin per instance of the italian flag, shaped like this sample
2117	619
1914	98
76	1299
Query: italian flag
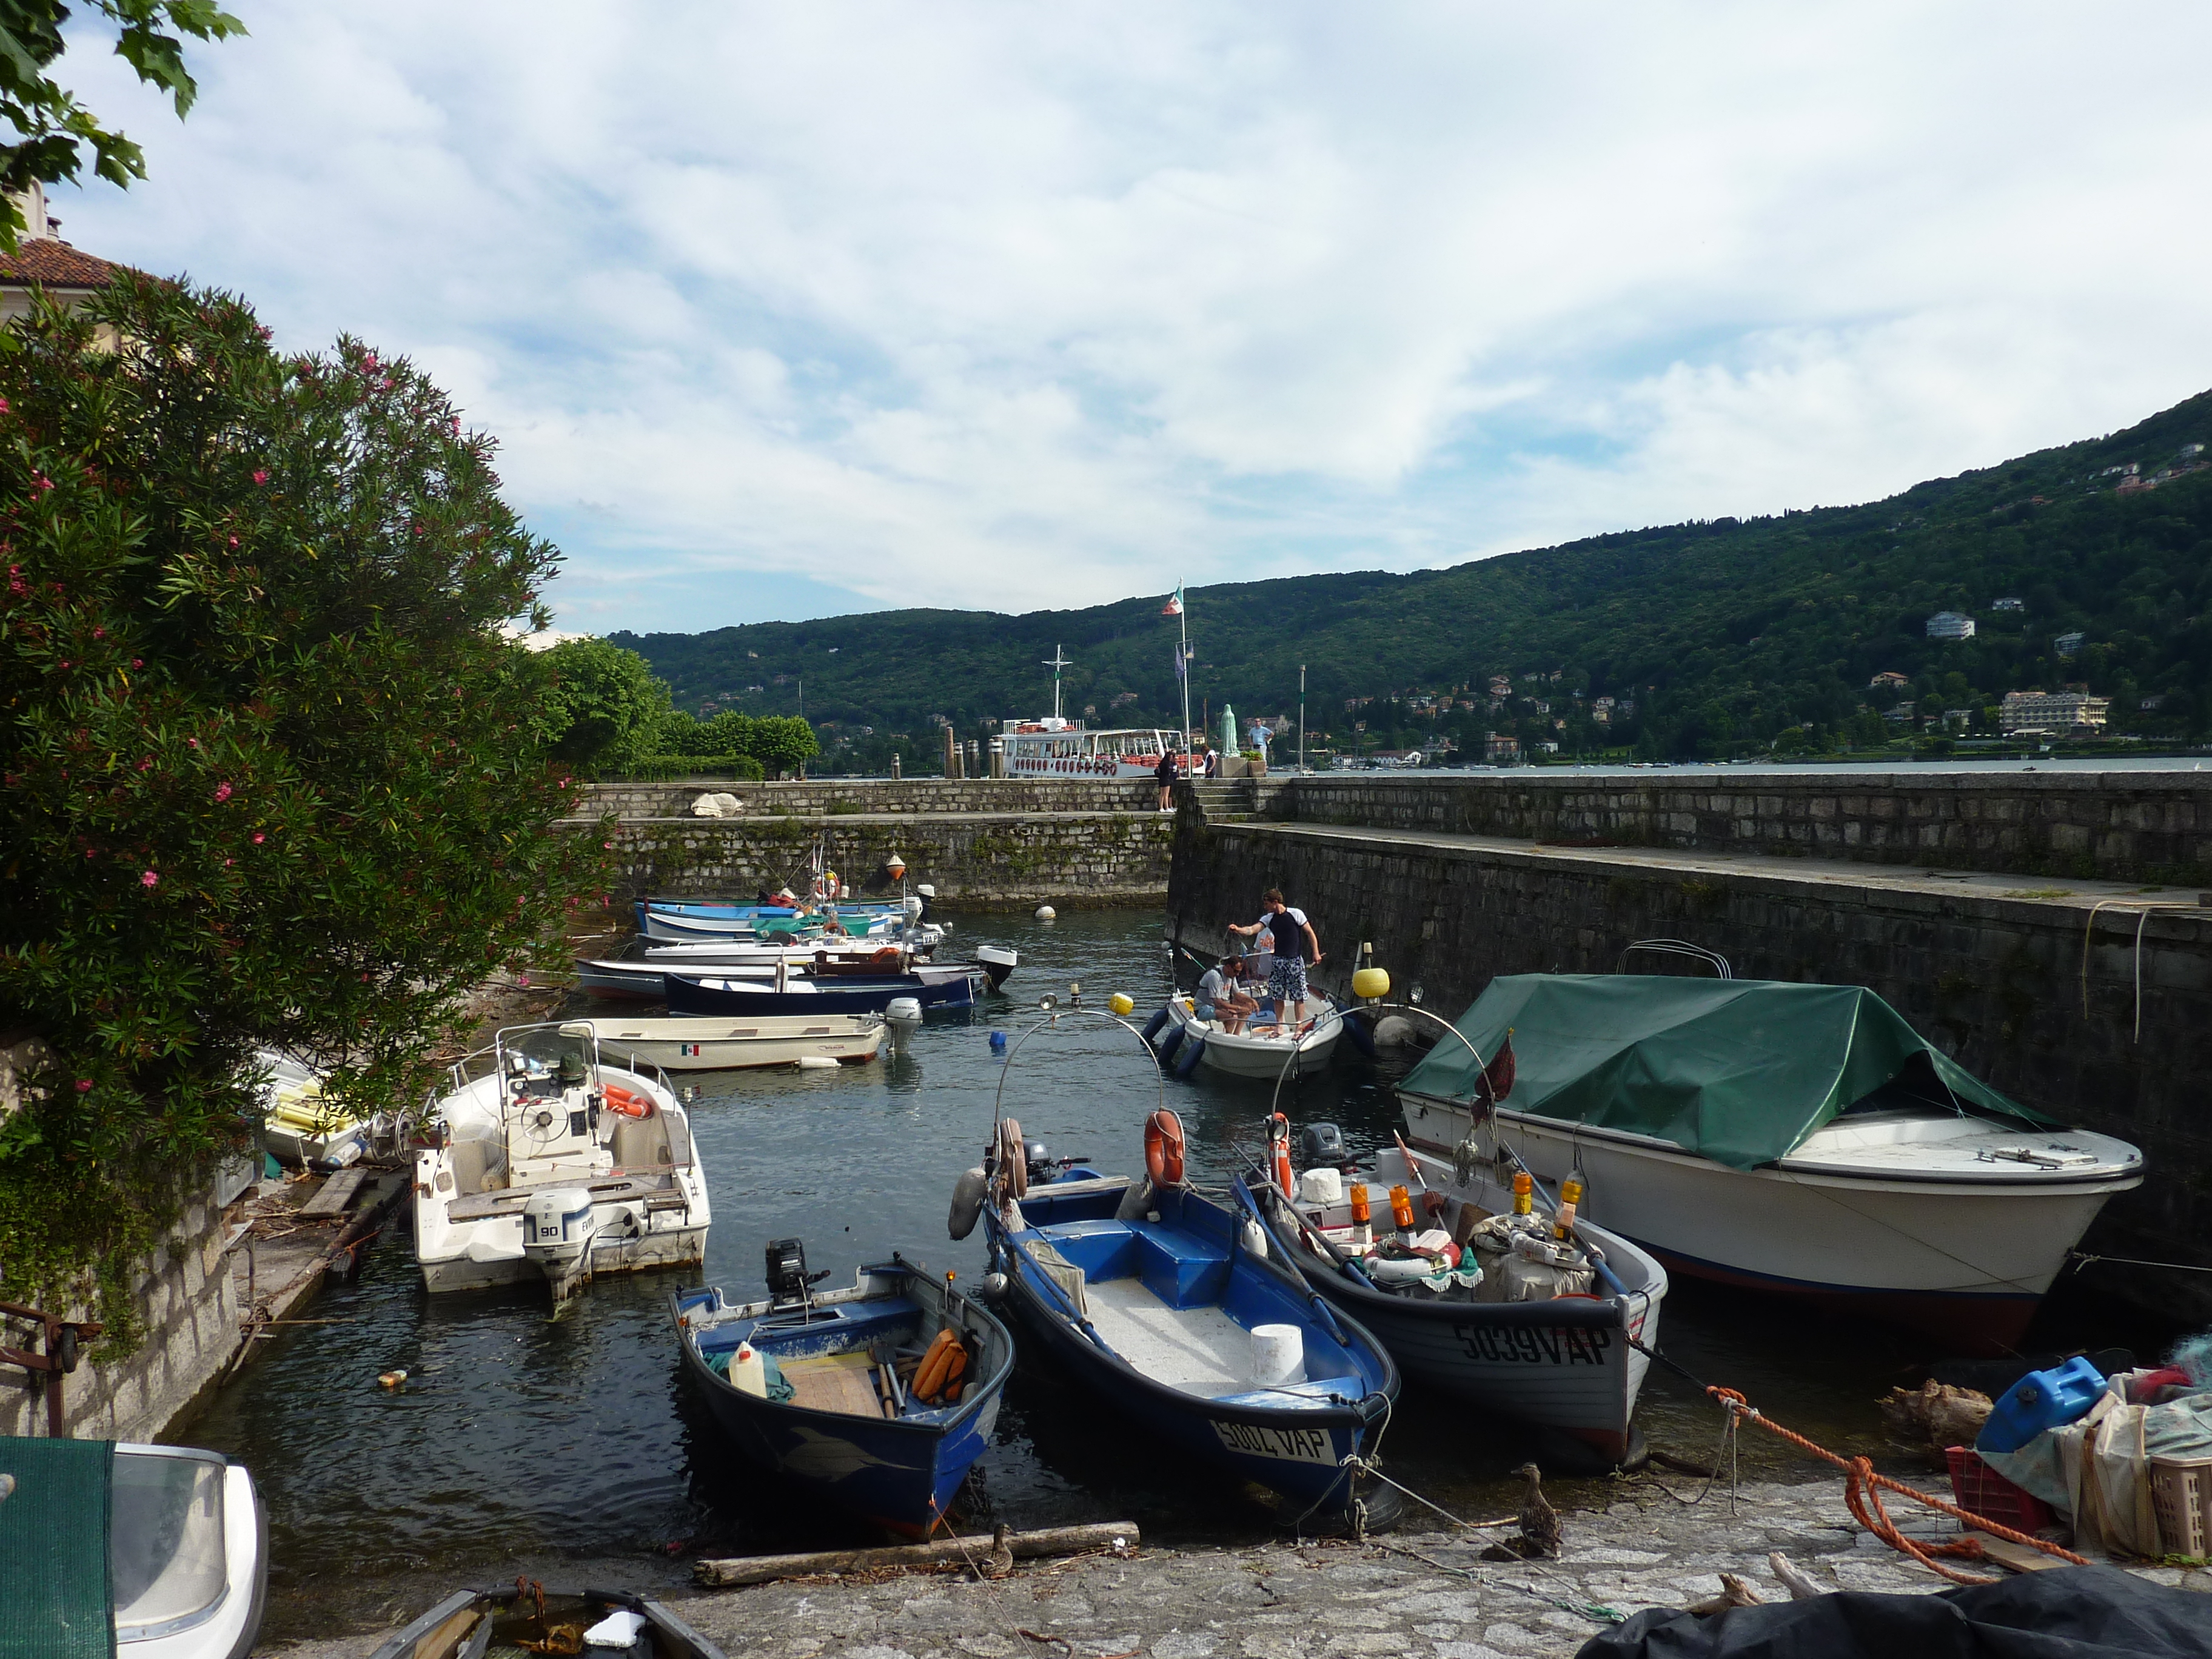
1174	606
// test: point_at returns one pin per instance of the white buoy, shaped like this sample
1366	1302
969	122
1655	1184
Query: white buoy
1045	912
1322	1187
1278	1356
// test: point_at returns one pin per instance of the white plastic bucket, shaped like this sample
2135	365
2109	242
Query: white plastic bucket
1278	1356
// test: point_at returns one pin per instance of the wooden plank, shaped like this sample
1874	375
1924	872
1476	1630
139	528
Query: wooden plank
834	1382
1025	1546
2018	1557
336	1193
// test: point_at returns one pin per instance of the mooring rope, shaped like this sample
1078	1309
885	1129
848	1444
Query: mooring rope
1863	1496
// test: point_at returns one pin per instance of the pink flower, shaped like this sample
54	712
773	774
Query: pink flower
259	838
194	742
84	1085
522	979
140	662
146	764
234	541
227	862
150	879
260	476
99	632
222	791
3	405
41	481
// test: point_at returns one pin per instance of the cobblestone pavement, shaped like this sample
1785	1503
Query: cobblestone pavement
1424	1596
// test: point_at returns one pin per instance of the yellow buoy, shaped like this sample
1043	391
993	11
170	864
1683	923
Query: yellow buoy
1121	1005
1372	983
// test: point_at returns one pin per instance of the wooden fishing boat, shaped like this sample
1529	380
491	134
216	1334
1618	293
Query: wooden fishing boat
860	1419
701	993
526	1617
1210	1349
546	1159
708	1044
1564	1364
137	1551
1796	1139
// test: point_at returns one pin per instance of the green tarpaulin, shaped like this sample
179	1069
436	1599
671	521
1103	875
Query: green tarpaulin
1740	1071
54	1585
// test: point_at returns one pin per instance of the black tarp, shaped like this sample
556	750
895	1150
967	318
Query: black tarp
2068	1612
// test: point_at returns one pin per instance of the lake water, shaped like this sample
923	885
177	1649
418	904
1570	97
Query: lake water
566	1446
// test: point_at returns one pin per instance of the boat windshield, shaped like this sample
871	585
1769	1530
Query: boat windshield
165	1541
569	1052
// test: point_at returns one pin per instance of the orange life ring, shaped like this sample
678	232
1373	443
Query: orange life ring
628	1103
1163	1148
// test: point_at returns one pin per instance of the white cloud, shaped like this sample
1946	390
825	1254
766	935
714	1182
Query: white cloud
985	306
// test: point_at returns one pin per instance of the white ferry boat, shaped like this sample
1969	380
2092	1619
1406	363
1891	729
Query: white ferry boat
1056	747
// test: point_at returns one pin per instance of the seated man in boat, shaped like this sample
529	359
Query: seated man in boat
1221	995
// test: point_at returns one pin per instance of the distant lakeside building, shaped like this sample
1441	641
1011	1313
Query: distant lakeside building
1950	625
2050	714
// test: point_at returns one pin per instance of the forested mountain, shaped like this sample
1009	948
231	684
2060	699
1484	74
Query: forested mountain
1726	636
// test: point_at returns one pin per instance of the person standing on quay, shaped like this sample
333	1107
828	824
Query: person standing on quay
1292	936
1164	774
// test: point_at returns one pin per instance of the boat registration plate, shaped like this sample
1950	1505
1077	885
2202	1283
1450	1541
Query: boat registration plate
1285	1445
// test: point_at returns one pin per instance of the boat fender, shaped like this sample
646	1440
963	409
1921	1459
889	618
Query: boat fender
627	1102
1163	1146
991	1287
1136	1201
1384	1271
1171	1039
1363	1038
968	1194
1187	1061
1153	1029
1254	1238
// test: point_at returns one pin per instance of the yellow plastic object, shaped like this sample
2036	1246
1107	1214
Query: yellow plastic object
1372	984
1523	1187
1121	1005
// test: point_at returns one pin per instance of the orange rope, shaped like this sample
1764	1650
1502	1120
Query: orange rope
1861	1493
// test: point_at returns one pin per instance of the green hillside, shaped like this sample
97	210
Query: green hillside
1727	637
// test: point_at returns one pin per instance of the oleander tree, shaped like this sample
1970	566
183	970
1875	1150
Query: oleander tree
273	775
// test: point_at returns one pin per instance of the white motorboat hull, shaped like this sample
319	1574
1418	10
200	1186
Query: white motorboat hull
489	1158
1243	1054
703	1043
1967	1257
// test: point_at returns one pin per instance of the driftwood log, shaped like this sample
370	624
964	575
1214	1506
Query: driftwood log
1050	1540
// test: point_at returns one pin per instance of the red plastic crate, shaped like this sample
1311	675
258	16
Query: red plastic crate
1977	1487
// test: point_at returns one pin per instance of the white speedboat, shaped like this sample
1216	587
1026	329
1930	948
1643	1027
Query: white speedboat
1311	1027
167	1545
1799	1139
549	1161
703	1043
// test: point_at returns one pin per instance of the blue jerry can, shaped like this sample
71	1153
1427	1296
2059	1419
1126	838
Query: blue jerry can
2040	1400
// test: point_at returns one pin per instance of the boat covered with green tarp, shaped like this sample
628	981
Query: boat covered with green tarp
1740	1071
1799	1139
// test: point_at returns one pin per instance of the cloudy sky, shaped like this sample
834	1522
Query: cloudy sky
782	311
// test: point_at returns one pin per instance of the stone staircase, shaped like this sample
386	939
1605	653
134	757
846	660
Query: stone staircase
1225	800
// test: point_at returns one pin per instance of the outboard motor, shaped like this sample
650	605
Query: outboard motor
788	1281
1038	1156
557	1229
1322	1145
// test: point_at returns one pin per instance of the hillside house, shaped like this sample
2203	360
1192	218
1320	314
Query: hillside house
2045	713
2007	605
1502	748
1950	625
1888	682
2069	645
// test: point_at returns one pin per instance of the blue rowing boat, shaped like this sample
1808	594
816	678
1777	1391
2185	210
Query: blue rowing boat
1153	1298
699	993
851	1422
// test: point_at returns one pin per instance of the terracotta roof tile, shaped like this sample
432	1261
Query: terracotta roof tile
53	264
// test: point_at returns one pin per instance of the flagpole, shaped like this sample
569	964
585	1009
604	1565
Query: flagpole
1183	621
1302	717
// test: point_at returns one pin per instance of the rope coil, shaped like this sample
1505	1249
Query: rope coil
1863	1496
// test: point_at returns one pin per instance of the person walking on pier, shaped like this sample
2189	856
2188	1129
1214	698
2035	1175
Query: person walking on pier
1292	936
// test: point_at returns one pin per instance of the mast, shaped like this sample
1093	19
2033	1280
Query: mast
1057	663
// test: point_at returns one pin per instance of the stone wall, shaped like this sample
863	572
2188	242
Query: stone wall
974	861
189	1305
815	796
1995	981
2127	826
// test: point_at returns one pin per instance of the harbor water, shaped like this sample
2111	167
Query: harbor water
567	1447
